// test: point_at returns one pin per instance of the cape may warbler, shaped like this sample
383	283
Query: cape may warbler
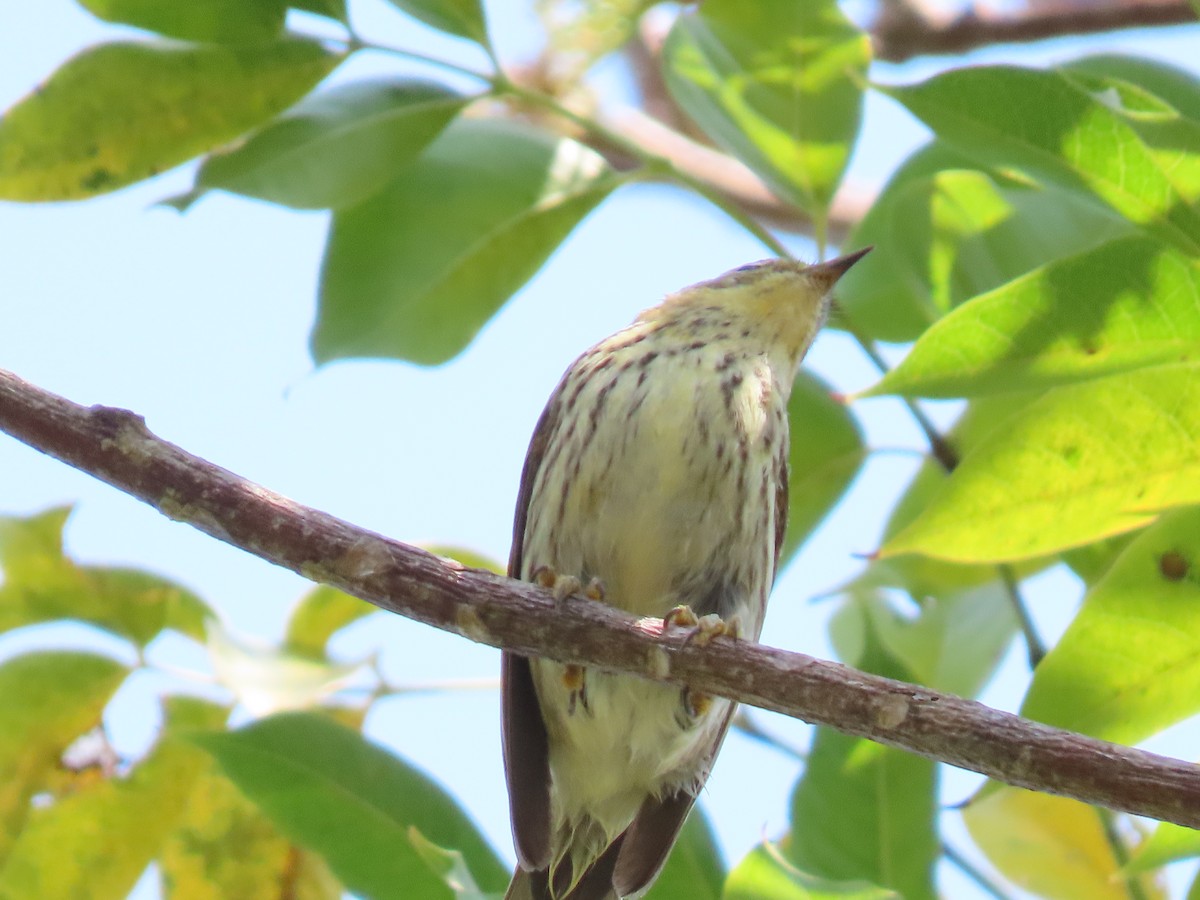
657	476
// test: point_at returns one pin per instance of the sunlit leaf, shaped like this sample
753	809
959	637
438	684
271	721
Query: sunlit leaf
1129	664
328	788
778	84
944	238
1172	139
471	558
826	454
121	112
1083	462
763	875
1127	304
50	699
923	577
96	843
1176	86
232	21
1050	846
335	148
224	847
1167	843
1046	124
319	614
268	679
416	270
42	585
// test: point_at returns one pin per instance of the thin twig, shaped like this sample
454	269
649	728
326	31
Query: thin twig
972	871
1036	648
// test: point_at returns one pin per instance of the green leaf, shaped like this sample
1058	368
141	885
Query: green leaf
471	558
1127	304
222	21
50	699
460	17
320	613
42	585
762	875
335	148
954	644
1050	846
1167	843
826	454
96	843
1091	561
448	865
121	112
224	847
1129	664
268	679
1044	123
863	811
777	84
694	870
921	577
1083	462
1173	140
352	802
942	239
411	278
1178	87
330	9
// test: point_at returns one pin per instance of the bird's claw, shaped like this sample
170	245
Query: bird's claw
702	629
564	586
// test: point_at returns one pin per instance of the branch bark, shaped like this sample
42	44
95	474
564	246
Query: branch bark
115	446
897	38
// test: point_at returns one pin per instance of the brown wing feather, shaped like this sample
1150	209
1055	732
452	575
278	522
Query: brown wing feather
781	505
526	751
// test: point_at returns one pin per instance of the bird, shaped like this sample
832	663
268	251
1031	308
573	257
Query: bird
656	481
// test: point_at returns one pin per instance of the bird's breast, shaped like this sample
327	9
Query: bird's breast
658	477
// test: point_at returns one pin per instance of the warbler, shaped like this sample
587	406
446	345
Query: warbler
657	477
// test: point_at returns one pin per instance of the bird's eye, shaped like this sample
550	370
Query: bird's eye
750	267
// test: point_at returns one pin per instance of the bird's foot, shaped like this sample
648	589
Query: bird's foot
693	704
574	677
703	628
564	586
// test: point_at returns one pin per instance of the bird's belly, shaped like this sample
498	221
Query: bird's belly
626	743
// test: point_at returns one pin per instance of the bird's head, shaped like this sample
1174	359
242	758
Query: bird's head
783	302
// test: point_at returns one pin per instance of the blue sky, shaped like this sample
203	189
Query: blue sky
200	323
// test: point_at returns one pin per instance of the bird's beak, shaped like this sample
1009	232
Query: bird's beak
828	273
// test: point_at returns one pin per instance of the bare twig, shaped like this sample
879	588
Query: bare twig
897	38
115	446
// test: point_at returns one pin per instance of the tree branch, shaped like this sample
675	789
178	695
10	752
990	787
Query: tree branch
899	37
115	446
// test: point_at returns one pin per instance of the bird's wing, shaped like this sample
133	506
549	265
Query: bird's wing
526	751
781	505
